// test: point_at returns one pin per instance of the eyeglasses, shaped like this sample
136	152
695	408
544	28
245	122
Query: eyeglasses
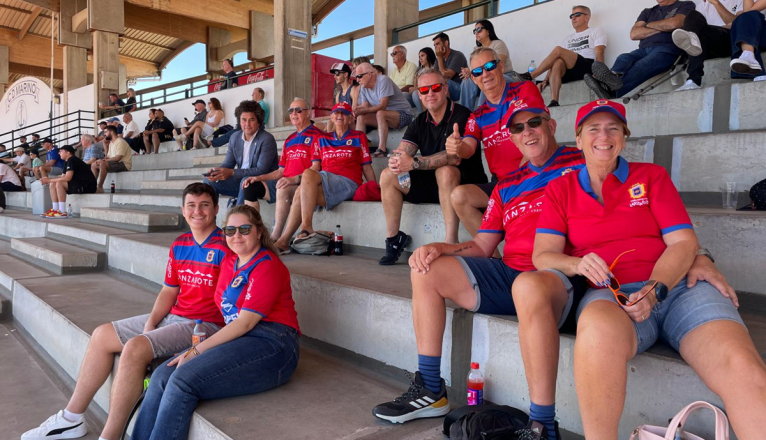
361	75
477	30
298	110
230	231
435	87
488	66
393	54
614	286
577	14
533	123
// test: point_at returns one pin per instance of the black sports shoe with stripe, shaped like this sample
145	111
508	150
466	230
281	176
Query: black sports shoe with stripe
394	248
417	403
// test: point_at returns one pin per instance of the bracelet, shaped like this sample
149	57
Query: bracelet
195	351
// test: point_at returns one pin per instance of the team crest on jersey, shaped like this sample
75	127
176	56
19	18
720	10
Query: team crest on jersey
566	171
210	256
349	142
307	141
237	281
638	195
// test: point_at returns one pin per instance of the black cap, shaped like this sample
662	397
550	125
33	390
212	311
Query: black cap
67	148
47	140
340	67
757	198
199	101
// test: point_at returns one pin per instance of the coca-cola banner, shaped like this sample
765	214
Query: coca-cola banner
254	77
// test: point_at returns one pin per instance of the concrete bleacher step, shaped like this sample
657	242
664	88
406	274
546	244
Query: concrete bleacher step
210	161
174	159
87	234
57	256
134	220
185	173
168	185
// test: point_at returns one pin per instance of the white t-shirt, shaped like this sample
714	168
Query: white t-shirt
502	49
132	127
8	175
24	160
584	43
246	147
711	14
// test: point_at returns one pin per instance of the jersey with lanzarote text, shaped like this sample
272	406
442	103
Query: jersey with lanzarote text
345	156
297	151
261	285
487	125
195	268
517	201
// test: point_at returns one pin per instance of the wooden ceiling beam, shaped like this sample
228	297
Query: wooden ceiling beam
232	12
38	71
176	26
15	9
50	5
29	21
324	11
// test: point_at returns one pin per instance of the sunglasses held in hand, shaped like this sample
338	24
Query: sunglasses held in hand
614	286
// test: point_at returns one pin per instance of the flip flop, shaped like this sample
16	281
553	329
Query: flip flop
379	153
284	251
300	239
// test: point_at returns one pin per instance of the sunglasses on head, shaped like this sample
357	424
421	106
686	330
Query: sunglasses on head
435	87
577	14
477	30
298	110
230	231
361	75
614	286
533	123
488	66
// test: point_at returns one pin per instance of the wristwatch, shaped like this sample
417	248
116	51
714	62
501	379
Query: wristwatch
705	252
660	290
415	163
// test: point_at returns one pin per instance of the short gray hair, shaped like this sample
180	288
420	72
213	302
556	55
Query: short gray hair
404	49
89	137
480	50
305	101
585	8
430	71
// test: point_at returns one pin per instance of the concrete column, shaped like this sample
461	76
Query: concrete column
475	14
390	14
2	90
215	38
75	72
106	67
4	69
292	55
261	37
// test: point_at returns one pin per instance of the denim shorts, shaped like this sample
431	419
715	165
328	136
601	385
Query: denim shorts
493	280
336	189
682	311
172	335
56	171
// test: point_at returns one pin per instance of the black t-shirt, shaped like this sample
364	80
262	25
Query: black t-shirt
431	138
131	100
81	170
658	13
163	123
230	80
121	105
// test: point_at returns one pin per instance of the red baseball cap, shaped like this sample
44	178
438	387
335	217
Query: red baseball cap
532	102
342	107
598	106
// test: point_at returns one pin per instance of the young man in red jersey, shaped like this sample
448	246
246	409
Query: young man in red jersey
187	295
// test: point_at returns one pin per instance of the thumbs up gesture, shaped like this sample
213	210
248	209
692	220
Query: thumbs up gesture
454	141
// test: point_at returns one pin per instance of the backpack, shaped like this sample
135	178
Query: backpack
318	244
484	422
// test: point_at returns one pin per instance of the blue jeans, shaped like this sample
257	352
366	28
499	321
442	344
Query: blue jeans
642	64
454	90
469	92
748	28
262	359
231	187
223	139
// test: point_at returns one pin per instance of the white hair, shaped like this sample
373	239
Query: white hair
404	49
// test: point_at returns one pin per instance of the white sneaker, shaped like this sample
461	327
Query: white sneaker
759	78
57	427
688	85
2	210
687	41
745	65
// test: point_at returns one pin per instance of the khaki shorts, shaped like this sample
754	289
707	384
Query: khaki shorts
116	167
172	335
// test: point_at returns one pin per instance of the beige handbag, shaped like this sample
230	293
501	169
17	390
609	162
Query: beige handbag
647	432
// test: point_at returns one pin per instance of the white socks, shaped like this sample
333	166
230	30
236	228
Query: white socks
72	417
61	207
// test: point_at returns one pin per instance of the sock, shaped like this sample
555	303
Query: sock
545	414
102	438
57	206
430	372
72	417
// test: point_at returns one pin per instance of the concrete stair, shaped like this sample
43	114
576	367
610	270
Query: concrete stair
143	221
56	256
168	185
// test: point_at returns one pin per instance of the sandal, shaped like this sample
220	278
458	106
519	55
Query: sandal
379	153
299	239
284	251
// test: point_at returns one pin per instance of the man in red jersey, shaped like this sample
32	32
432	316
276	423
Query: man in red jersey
188	295
339	160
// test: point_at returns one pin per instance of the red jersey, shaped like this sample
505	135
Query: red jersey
487	125
345	156
641	204
261	285
195	269
297	151
516	203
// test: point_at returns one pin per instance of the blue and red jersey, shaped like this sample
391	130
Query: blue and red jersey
641	204
487	125
297	151
343	156
261	285
517	201
195	269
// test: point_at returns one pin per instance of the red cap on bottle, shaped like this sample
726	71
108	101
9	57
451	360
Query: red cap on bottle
474	365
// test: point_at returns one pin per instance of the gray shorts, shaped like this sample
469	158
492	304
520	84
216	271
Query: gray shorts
172	335
336	189
56	171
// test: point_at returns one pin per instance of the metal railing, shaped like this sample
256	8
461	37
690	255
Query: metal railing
61	129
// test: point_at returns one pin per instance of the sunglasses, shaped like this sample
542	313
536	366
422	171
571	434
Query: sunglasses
614	286
477	30
337	72
230	231
361	75
489	66
435	87
298	110
533	123
577	14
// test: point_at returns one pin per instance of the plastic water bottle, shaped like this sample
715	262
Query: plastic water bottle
337	241
532	67
404	178
198	335
69	210
475	385
112	187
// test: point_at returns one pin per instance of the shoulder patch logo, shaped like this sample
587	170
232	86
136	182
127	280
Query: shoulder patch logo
237	281
210	256
637	191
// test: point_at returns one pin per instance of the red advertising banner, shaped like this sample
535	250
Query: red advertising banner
254	77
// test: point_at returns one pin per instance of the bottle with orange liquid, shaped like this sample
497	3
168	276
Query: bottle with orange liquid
475	385
198	335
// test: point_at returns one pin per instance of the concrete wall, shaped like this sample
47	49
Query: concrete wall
531	33
25	102
81	99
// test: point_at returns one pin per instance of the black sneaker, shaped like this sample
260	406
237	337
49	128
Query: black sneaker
417	403
533	431
598	87
611	80
394	248
553	103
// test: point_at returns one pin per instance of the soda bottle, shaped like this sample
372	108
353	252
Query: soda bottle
475	385
338	241
198	335
112	187
69	210
532	67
